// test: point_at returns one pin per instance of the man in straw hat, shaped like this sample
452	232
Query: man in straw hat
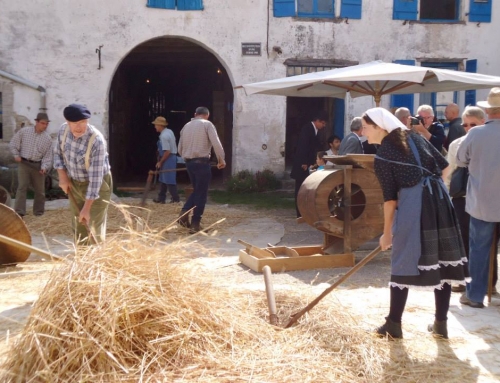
81	160
32	150
167	151
195	144
479	152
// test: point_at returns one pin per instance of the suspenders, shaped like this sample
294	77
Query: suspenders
89	147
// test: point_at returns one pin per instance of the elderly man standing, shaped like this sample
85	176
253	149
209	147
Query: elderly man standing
479	151
197	139
430	130
167	151
306	150
455	130
351	144
32	150
82	163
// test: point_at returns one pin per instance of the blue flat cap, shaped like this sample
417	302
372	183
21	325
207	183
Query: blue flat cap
76	112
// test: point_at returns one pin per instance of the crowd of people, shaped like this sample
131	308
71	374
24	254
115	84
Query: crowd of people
441	239
81	158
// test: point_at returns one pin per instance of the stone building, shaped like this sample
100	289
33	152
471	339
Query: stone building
130	61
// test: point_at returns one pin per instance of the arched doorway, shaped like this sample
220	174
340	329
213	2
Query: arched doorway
166	77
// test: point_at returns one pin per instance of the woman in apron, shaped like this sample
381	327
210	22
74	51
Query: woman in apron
419	220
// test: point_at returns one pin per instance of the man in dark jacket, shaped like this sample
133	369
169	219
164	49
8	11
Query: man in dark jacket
455	130
306	149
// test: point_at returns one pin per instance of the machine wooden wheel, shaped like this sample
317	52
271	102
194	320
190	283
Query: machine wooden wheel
322	204
13	226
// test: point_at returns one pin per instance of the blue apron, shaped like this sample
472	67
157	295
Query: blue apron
169	178
406	245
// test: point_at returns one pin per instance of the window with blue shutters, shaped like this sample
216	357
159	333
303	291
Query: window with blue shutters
316	8
181	5
403	100
480	11
350	9
432	10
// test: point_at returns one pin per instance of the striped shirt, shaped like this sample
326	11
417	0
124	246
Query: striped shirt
73	158
197	138
33	146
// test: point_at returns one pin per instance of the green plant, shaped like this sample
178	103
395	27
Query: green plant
266	180
243	181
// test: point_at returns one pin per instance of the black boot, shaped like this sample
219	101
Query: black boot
184	219
439	329
391	329
195	227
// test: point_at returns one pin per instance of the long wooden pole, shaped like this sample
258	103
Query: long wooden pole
354	270
32	249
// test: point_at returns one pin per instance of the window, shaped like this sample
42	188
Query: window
426	10
439	100
403	100
317	8
180	5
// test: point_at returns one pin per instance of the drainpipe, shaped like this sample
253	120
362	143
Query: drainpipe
21	80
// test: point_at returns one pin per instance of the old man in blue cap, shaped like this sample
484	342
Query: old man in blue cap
81	160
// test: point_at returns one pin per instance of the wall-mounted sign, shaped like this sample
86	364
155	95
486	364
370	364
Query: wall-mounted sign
250	49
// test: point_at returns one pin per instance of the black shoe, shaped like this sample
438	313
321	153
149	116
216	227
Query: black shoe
439	329
175	201
391	329
158	201
184	219
458	288
466	301
195	227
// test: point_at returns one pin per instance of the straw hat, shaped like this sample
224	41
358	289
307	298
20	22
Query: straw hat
160	121
13	226
493	100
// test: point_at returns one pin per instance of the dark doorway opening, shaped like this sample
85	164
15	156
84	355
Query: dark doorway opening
300	111
166	77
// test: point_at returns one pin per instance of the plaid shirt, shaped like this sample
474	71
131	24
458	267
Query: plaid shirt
197	138
73	159
33	146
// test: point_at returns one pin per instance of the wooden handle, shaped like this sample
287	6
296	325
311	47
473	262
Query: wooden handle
25	246
356	268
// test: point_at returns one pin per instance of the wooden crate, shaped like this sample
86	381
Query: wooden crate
297	258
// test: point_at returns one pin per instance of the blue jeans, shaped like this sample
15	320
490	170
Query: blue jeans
200	175
481	237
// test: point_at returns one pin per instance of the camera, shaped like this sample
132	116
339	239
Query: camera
416	120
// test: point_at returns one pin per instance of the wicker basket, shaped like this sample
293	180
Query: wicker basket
13	226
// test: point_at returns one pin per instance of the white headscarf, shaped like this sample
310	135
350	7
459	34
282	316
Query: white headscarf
385	119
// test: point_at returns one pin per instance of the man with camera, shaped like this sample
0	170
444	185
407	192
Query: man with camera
425	125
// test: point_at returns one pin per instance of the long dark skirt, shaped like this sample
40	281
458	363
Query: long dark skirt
443	258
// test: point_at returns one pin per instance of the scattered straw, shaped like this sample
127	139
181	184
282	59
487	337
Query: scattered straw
157	217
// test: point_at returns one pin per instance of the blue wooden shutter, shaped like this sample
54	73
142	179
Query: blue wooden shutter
470	95
338	117
189	5
167	4
351	9
405	10
284	8
403	100
480	11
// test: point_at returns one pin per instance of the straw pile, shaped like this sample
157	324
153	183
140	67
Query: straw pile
137	309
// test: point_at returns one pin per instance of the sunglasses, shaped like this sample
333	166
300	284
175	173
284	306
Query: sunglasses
467	125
